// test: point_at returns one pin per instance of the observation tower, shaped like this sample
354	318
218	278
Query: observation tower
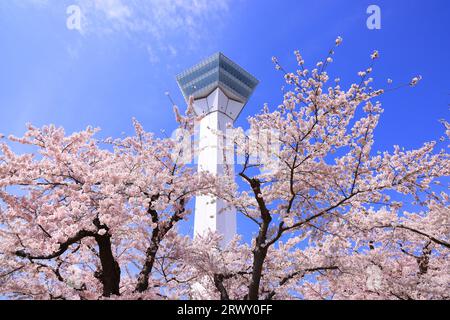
220	89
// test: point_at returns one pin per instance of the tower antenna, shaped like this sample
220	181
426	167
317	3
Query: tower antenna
167	93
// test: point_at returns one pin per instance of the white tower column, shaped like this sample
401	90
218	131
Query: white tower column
213	214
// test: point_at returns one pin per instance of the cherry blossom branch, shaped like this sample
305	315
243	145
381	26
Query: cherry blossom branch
300	273
62	247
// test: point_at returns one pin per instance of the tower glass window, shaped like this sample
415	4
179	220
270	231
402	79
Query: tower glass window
217	71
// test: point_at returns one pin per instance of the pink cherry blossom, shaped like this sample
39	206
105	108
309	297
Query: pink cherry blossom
331	216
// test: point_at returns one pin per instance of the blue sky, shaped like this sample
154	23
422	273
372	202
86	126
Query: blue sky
128	51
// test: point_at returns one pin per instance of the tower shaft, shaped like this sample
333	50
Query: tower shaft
213	214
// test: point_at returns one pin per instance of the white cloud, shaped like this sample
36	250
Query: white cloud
161	27
152	55
114	9
28	3
163	23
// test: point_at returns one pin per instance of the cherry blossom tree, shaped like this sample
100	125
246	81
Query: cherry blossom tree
333	218
328	222
79	221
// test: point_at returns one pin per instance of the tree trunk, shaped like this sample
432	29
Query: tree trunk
110	274
260	249
218	282
259	255
157	236
142	283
